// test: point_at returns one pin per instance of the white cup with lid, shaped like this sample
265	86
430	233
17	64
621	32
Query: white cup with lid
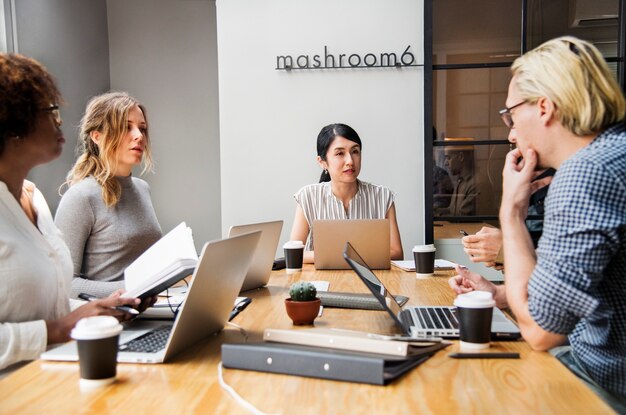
97	339
475	312
294	254
424	257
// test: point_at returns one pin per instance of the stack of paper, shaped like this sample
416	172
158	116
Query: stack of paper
409	265
406	265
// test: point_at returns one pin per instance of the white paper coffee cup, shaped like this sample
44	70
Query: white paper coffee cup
97	340
475	312
294	253
424	257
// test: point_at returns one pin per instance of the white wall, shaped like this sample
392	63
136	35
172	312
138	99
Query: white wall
269	120
165	54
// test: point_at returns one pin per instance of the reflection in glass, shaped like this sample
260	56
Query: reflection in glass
459	163
466	99
474	179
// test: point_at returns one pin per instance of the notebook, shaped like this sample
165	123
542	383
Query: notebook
263	259
216	282
423	321
369	236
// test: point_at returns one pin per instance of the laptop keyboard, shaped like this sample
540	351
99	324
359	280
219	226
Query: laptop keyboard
353	300
431	317
150	342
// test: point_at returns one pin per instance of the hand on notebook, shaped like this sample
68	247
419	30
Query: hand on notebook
59	330
466	281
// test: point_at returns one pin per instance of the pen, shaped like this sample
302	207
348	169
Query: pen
484	355
124	308
239	307
399	337
462	232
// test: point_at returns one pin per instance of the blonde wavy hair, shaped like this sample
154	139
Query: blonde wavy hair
573	74
107	114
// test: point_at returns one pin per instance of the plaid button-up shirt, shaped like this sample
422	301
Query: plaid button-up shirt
578	286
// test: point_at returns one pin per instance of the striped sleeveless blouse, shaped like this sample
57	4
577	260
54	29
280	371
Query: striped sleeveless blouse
318	202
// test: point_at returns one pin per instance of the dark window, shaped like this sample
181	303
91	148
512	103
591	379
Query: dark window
469	47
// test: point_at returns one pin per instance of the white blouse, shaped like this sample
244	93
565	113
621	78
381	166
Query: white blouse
35	278
318	202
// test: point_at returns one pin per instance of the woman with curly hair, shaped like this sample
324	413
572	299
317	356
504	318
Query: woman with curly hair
35	263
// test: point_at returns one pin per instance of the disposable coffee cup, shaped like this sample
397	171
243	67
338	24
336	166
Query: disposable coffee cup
424	257
475	311
294	251
97	339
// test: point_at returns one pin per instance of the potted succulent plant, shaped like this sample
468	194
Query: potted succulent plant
303	305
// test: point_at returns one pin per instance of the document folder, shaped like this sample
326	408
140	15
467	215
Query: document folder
355	341
320	363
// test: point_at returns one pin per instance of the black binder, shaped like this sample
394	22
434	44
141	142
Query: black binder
321	363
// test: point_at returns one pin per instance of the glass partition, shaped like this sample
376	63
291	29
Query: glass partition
473	45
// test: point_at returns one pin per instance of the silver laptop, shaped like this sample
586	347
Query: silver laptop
263	259
216	282
369	236
423	321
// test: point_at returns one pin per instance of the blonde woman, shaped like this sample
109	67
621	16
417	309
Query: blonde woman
106	216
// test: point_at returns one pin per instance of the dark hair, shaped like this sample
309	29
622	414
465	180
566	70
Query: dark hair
25	88
326	137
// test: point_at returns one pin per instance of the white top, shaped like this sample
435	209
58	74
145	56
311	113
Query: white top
318	202
36	273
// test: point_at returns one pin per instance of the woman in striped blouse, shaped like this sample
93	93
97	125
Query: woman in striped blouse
339	194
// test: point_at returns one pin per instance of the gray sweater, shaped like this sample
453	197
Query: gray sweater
104	241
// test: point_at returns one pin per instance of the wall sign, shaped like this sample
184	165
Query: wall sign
346	61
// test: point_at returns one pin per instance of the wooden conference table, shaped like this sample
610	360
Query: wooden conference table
536	383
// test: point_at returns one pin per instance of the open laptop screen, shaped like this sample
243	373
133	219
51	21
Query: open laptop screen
369	236
373	283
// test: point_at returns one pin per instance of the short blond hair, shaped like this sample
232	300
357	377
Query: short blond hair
573	75
107	114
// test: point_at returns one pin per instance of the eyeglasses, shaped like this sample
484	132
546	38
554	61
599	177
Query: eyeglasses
506	115
54	110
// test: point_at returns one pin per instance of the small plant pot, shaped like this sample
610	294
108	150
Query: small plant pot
302	312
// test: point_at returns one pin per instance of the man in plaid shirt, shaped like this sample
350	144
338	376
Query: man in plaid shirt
566	111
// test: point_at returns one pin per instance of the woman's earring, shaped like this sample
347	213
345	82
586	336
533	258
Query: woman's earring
325	172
